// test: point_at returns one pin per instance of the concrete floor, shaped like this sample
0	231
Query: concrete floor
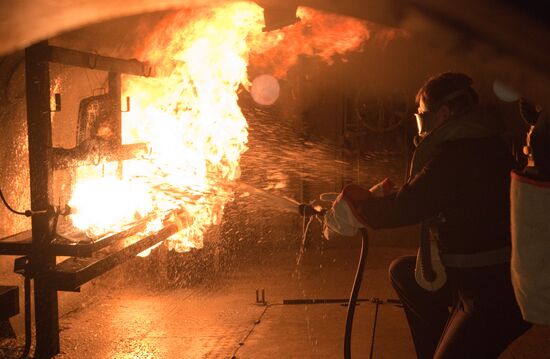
221	319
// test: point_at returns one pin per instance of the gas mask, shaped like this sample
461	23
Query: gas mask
425	122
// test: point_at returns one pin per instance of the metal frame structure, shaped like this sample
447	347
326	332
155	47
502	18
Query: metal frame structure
41	245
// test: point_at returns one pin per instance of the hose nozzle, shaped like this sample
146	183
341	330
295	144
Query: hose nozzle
308	210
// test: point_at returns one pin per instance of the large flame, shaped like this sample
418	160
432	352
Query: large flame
189	117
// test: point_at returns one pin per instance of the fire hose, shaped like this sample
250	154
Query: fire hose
307	210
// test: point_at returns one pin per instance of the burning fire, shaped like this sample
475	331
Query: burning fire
189	117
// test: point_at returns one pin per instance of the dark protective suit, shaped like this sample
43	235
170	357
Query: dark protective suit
468	182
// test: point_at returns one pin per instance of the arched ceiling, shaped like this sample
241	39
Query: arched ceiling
509	40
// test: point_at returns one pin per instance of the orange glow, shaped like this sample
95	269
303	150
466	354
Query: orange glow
189	117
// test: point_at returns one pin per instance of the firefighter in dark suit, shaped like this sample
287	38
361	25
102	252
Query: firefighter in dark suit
458	190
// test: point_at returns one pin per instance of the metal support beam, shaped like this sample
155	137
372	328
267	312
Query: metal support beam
74	272
114	93
116	112
37	81
97	62
92	151
43	160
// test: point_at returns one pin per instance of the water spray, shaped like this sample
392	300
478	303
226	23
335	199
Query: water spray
310	210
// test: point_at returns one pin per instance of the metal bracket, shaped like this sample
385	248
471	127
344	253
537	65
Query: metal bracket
127	104
260	301
21	266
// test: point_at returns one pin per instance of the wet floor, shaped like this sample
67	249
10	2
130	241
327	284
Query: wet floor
223	320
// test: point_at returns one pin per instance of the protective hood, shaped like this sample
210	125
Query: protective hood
472	124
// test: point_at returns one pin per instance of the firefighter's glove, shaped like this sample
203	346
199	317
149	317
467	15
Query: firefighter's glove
343	218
